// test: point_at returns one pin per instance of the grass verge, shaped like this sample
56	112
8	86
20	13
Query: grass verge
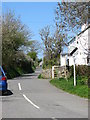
80	90
41	77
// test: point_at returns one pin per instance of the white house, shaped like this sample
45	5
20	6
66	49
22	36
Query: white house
81	55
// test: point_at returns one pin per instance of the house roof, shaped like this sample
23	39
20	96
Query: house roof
63	54
73	39
78	35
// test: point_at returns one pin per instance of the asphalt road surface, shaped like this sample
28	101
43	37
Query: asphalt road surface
37	98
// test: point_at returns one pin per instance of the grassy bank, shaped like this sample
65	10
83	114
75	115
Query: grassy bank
12	72
40	76
81	89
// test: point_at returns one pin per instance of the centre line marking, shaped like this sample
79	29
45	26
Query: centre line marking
19	86
30	102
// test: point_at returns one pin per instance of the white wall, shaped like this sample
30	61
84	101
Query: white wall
81	43
70	60
63	60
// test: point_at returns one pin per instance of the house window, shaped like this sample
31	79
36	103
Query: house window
67	62
67	65
88	59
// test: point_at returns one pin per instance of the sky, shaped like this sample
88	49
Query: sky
36	15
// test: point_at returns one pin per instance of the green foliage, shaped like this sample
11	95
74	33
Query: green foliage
19	67
33	55
40	76
15	35
82	80
80	90
49	63
39	60
82	74
12	72
81	70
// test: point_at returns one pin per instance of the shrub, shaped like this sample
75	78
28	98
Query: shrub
81	70
82	74
18	68
48	63
40	76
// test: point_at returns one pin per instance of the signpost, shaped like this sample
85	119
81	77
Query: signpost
72	54
74	72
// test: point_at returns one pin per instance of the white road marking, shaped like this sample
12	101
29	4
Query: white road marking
30	102
19	86
53	118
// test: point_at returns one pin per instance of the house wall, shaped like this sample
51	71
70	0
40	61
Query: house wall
71	62
63	60
81	43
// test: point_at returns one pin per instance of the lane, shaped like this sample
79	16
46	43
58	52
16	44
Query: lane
58	103
19	85
15	106
53	103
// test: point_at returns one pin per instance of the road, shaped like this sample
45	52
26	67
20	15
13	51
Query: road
37	98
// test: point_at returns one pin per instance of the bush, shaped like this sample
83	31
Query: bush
89	82
40	76
18	68
12	72
82	80
82	74
81	70
48	63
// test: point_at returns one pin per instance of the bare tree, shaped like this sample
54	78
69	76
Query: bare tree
53	43
70	16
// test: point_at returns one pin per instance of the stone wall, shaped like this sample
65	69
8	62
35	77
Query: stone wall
59	72
46	73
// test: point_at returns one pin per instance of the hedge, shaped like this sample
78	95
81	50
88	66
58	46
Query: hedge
81	70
